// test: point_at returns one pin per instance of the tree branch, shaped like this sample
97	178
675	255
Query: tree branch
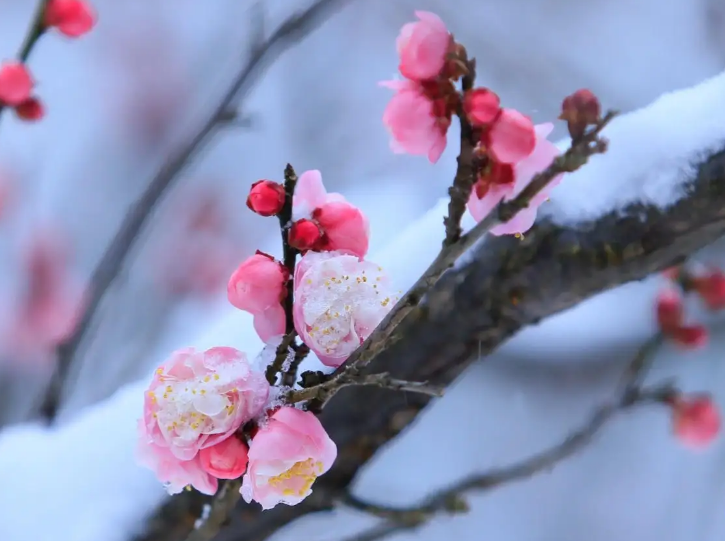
503	286
115	256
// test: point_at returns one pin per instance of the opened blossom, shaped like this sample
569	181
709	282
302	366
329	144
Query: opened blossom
416	123
286	456
342	226
174	473
339	300
512	137
511	181
422	47
198	399
258	286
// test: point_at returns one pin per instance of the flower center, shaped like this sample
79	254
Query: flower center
297	480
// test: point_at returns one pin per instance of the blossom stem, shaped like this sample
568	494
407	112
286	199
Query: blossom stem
289	258
451	500
35	31
290	376
382	380
576	156
460	190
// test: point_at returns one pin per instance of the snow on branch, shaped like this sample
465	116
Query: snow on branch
503	283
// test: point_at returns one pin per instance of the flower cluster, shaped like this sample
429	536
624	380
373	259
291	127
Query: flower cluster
210	415
191	431
72	18
695	419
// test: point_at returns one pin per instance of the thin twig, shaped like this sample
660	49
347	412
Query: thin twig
289	258
574	158
460	190
35	30
382	380
450	500
136	219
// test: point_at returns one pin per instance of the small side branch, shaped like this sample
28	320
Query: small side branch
451	500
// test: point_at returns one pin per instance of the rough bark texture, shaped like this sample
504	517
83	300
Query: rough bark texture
506	285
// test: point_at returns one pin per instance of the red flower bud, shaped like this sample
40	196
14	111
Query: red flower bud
71	17
304	235
266	198
16	84
695	420
30	110
481	106
580	109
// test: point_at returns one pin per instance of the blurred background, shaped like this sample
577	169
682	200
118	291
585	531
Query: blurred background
120	99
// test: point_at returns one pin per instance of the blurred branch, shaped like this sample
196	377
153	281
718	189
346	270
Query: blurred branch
504	285
451	500
114	258
35	30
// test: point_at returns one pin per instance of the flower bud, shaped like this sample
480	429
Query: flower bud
481	106
304	235
711	289
695	420
266	198
580	110
16	84
30	110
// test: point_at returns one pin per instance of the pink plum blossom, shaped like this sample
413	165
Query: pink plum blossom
343	226
512	137
286	457
422	47
413	121
258	286
339	300
225	460
174	473
542	156
198	399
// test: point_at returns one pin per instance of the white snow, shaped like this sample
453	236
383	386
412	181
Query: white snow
652	154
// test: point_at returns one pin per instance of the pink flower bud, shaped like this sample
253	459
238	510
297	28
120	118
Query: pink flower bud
346	228
225	460
695	420
266	198
30	110
422	47
16	84
286	457
690	337
304	235
258	283
512	137
481	106
71	17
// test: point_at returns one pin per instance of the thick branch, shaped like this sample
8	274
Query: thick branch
505	285
110	265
